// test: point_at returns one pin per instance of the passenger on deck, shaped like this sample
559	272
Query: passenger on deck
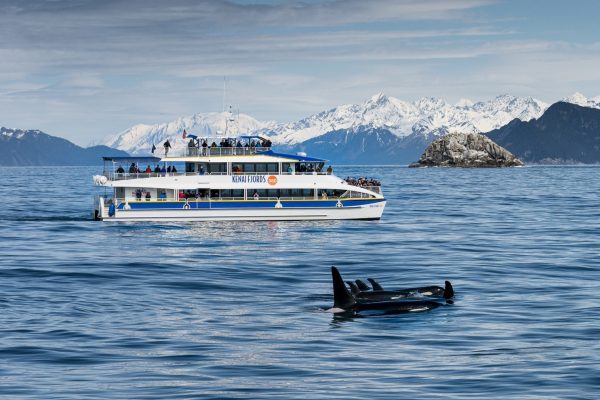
329	170
169	169
181	195
163	170
191	143
138	194
162	196
157	169
289	170
324	194
148	196
120	170
201	170
173	170
256	196
148	169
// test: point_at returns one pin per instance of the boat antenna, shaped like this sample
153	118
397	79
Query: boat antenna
224	90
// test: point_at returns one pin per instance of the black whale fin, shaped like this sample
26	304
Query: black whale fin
341	296
362	286
375	284
353	288
448	291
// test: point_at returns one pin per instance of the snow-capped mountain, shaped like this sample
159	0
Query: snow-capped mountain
581	100
140	138
403	118
418	121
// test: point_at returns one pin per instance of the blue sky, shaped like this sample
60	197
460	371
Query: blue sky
85	69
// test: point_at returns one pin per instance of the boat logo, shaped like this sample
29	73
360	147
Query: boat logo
272	180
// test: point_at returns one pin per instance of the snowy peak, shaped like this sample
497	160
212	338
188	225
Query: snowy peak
581	100
140	138
18	133
402	118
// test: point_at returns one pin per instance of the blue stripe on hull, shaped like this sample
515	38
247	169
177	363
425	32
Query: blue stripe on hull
177	205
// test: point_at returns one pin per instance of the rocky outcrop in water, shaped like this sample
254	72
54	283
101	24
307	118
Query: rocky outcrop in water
466	150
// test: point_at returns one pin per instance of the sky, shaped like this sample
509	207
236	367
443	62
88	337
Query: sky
88	69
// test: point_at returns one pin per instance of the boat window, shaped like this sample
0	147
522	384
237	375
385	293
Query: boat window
284	193
272	167
217	168
232	193
248	168
261	167
189	167
357	195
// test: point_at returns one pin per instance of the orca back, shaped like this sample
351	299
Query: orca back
362	286
353	288
448	291
375	284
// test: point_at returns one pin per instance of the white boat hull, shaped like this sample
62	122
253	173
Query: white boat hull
370	211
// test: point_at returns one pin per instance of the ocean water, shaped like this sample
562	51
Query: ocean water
238	310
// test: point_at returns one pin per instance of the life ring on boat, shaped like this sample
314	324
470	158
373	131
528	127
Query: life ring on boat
278	204
186	206
339	204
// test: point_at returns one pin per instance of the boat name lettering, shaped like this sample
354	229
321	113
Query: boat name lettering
248	179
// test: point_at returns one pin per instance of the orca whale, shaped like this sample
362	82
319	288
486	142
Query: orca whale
362	286
375	284
345	302
380	294
353	288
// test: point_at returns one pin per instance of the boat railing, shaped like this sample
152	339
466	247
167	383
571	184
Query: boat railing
115	176
221	151
139	175
376	189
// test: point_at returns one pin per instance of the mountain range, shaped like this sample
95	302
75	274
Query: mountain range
414	122
34	147
382	129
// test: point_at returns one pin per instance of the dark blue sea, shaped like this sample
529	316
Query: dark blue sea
92	310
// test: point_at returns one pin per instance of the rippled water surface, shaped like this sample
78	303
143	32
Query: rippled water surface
237	310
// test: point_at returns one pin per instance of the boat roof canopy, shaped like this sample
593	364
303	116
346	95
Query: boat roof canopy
302	158
132	159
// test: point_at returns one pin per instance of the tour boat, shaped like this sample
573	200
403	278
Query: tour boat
239	178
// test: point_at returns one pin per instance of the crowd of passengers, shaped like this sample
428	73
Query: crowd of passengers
230	142
134	169
363	182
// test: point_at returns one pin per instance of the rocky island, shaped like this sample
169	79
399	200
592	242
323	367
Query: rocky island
466	150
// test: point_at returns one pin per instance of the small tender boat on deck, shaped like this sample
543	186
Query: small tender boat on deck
238	180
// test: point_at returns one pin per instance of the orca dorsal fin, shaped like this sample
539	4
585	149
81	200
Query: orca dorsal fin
362	286
375	284
448	291
341	296
353	288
